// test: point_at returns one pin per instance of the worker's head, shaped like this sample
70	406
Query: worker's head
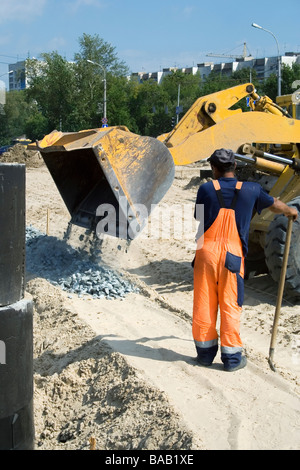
223	160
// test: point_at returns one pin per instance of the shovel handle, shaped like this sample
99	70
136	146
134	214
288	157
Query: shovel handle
281	284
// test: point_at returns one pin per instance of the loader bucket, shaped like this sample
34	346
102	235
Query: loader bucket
109	178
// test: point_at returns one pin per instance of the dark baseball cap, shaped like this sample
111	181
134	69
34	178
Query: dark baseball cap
222	157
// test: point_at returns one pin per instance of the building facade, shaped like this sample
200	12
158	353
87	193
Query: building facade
17	76
264	67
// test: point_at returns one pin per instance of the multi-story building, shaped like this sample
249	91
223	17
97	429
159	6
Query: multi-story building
264	67
17	76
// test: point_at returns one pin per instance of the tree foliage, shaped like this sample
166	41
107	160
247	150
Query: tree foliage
52	88
17	111
288	76
70	96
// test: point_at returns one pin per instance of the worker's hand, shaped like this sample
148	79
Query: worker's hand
293	213
280	207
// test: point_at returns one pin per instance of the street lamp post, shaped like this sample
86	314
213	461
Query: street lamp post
6	73
104	82
278	57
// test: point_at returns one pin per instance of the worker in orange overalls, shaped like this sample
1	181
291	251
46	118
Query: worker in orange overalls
219	260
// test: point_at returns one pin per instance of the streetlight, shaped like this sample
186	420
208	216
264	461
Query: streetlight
278	55
104	81
6	73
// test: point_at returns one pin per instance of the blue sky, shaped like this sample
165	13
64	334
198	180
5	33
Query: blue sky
148	35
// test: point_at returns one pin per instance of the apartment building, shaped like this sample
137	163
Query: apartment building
17	76
264	67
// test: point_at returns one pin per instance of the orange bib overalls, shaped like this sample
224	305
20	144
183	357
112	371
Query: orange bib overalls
218	282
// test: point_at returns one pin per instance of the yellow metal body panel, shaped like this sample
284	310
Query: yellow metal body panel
204	113
291	103
210	124
234	131
108	168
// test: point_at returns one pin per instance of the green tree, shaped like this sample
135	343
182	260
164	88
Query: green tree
242	76
214	82
148	104
97	50
245	75
69	96
52	87
36	126
288	76
118	97
185	86
269	86
89	81
15	113
142	106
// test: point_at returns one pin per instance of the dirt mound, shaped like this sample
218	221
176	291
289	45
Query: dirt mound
84	389
20	154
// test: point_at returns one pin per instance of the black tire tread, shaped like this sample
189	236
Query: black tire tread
274	250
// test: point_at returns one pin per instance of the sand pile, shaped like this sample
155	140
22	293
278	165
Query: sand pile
20	154
84	389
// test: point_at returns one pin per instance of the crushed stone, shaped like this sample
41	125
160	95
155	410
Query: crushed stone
71	269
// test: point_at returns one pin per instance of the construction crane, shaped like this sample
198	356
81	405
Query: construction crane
243	56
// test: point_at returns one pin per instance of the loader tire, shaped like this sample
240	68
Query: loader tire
255	263
274	249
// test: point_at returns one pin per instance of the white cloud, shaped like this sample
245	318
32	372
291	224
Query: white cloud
20	9
188	11
76	4
56	43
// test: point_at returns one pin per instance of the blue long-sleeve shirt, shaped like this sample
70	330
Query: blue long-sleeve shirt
251	198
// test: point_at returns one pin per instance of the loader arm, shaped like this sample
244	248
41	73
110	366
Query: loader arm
205	112
235	131
210	124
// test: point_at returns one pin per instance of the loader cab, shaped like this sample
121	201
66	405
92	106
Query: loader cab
290	103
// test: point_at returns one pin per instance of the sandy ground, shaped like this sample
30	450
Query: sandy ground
123	371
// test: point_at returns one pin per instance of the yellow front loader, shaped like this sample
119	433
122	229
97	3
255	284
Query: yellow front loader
110	178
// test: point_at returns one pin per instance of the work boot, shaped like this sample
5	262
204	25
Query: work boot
202	362
242	364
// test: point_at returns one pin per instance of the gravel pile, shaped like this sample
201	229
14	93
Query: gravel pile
71	269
